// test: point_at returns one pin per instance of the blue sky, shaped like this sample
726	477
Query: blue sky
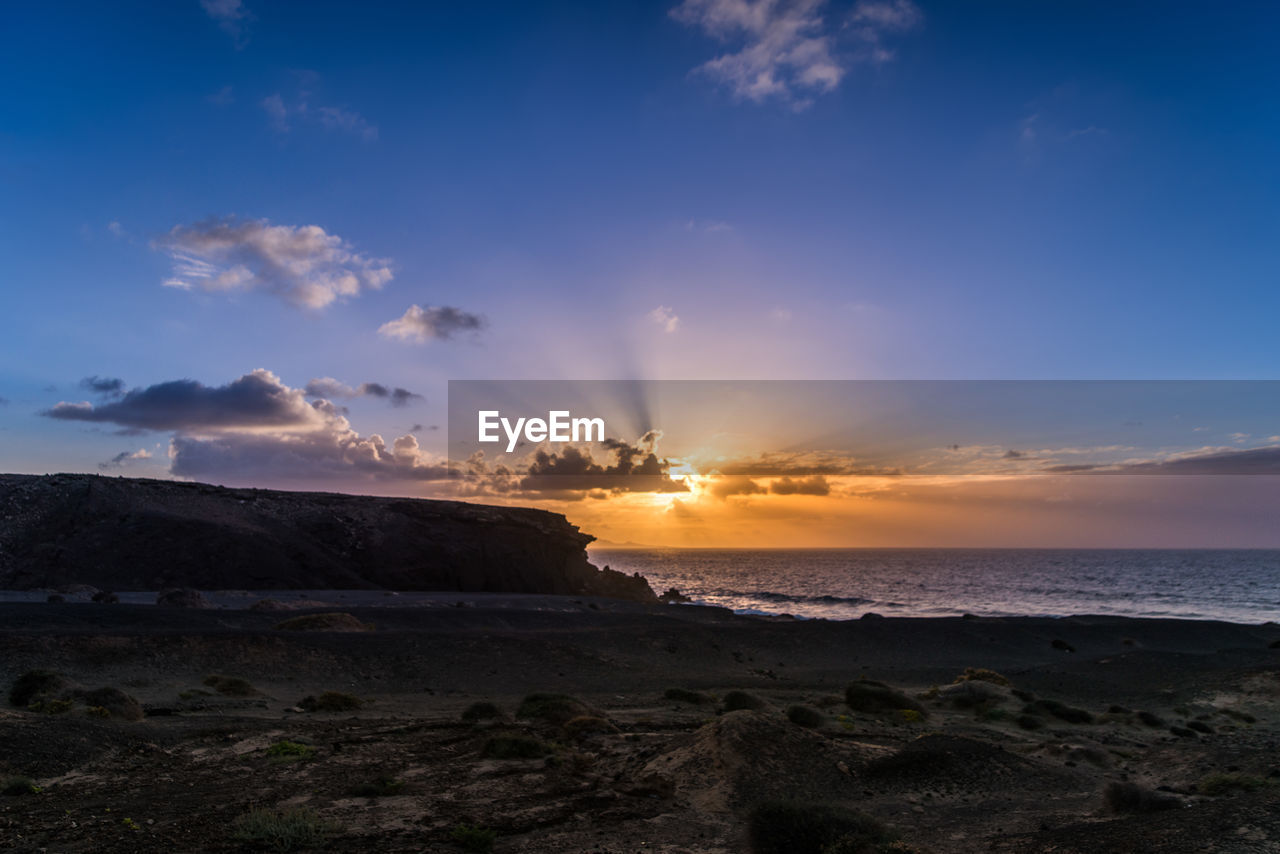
707	189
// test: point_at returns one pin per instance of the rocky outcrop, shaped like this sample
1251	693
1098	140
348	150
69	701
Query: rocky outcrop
133	534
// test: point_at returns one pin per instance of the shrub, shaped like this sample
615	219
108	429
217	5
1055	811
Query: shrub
281	830
515	746
52	707
1061	711
869	696
1237	715
481	711
1030	722
911	716
230	686
1132	798
331	701
736	701
379	788
16	786
474	838
1216	785
982	674
804	828
1200	726
290	751
554	708
806	716
1151	720
114	702
584	725
35	685
683	695
335	621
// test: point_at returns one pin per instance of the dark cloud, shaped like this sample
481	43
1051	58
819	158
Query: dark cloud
433	322
255	400
125	457
724	487
799	464
336	454
105	386
574	473
1213	461
1013	455
329	388
816	485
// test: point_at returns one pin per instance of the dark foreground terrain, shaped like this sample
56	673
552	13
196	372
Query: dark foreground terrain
1111	735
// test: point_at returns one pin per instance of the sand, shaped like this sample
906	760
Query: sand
652	773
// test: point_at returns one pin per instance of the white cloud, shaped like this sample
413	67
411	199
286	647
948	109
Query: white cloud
231	16
302	264
280	115
784	53
665	316
433	322
337	118
785	49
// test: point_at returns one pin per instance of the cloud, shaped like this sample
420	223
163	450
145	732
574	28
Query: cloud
635	468
433	322
281	114
124	457
724	487
224	97
335	454
337	118
231	16
277	113
816	485
1202	461
329	388
302	264
665	316
785	49
105	386
871	22
258	429
255	400
784	52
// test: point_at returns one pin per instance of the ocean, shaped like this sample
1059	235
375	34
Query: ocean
1239	585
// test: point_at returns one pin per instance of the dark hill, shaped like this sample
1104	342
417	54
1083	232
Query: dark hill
133	534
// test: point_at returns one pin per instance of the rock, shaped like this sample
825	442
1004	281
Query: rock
135	534
672	595
1058	643
182	597
106	597
869	696
55	598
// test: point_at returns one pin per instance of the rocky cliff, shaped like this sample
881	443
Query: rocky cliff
133	534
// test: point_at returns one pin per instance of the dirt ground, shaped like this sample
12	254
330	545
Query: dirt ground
1179	719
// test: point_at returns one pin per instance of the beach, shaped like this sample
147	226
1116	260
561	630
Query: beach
685	726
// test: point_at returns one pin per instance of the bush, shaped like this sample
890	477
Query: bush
379	788
113	701
804	828
869	696
331	622
982	674
683	695
281	830
1216	785
736	701
474	838
290	751
230	686
584	725
1061	711
553	708
331	701
806	716
514	746
480	711
1151	720
1030	722
16	786
35	685
1132	798
52	707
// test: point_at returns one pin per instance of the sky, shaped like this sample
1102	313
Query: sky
251	242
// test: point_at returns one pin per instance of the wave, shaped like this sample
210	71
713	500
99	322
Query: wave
772	596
